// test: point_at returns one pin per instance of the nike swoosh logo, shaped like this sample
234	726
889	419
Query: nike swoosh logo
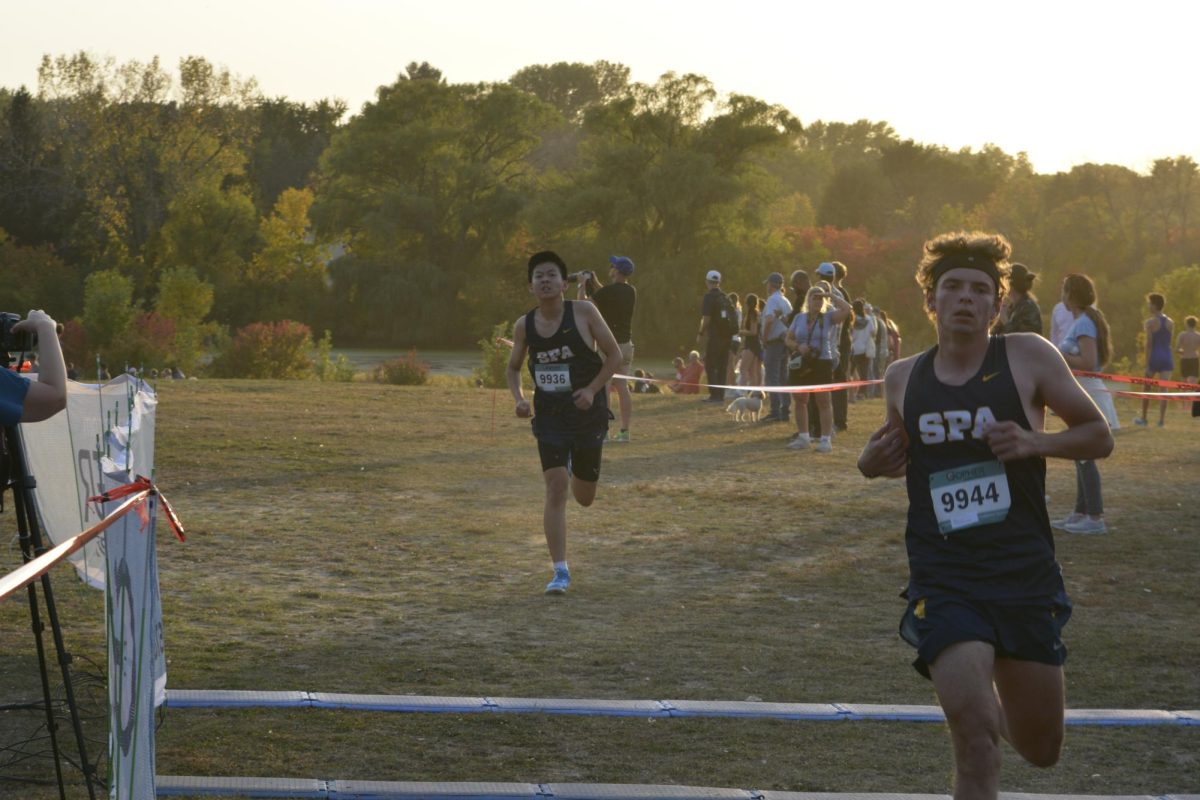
987	378
567	330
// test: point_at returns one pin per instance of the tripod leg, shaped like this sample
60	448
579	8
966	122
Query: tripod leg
22	484
47	700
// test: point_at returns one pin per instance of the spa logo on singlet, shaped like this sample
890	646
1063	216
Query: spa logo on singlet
937	427
554	355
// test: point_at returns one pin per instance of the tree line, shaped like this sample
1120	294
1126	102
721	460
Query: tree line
159	212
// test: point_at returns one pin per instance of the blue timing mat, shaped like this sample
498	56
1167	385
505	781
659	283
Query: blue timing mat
221	698
168	786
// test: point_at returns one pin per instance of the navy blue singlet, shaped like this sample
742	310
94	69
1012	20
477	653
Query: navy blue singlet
1012	559
555	411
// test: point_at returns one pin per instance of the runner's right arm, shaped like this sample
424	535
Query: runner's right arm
513	374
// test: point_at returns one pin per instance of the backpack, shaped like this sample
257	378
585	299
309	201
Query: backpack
726	323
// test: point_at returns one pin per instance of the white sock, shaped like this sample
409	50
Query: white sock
561	565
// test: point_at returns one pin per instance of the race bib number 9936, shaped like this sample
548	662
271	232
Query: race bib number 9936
552	377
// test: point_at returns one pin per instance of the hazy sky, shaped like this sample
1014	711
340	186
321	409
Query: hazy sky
1066	82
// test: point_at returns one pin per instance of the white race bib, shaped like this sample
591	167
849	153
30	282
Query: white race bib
969	496
552	377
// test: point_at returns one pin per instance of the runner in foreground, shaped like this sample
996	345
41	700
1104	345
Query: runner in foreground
986	601
570	404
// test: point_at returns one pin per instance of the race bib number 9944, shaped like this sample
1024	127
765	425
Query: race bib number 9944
969	496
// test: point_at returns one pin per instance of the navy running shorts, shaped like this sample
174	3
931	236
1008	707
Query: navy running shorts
1027	630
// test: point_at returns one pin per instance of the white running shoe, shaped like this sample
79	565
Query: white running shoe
1086	525
1069	519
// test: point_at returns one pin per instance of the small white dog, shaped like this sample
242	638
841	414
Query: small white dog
747	407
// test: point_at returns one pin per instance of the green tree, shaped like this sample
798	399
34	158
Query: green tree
35	277
214	232
425	188
573	88
108	309
186	299
288	141
1181	288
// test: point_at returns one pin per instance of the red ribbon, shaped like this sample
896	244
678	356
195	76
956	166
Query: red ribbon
143	483
1194	387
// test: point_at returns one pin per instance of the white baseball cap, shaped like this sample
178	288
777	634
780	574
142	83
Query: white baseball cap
713	276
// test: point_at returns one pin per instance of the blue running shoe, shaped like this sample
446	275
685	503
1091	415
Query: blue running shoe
562	579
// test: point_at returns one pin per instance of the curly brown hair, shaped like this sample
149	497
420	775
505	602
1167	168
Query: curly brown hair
991	246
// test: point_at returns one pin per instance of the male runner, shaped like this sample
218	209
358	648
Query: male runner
570	404
986	597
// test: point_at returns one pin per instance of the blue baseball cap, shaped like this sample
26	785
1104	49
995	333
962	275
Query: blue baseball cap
621	264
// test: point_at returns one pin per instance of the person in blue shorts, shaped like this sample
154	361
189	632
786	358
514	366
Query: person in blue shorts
572	355
23	400
1160	363
986	600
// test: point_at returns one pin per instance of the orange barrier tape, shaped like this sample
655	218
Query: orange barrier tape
138	485
29	572
1194	387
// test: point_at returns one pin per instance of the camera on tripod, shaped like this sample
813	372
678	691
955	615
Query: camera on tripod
11	342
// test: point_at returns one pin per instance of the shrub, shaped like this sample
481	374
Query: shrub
267	350
408	370
495	357
328	367
145	344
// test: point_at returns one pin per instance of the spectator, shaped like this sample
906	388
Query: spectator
750	358
687	376
811	339
773	330
863	345
1061	320
716	321
1188	346
1159	361
735	341
616	303
645	386
841	342
23	400
1019	311
1085	347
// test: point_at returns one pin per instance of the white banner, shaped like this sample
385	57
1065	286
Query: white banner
105	439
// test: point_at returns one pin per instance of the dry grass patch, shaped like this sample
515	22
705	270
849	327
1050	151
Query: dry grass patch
378	539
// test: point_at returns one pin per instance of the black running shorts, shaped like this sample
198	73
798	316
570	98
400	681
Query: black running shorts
1025	630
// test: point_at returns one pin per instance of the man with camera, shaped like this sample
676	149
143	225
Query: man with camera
23	400
615	302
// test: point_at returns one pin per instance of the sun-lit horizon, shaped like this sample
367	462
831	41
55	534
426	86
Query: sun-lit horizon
1064	83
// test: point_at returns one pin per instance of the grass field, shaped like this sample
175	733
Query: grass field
378	539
